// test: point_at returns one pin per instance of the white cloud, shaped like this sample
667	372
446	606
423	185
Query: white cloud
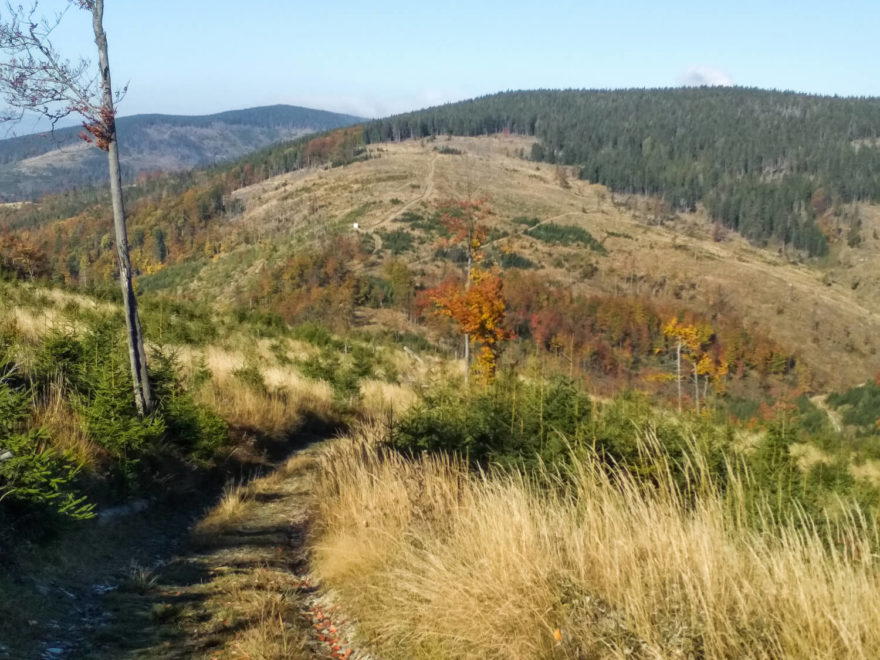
376	105
699	75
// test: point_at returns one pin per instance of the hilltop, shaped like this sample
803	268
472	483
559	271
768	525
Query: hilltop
815	309
33	165
767	164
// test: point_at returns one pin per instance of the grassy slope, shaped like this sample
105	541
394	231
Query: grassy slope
643	596
53	588
436	562
828	313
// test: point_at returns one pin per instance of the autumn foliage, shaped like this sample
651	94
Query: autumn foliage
478	311
477	304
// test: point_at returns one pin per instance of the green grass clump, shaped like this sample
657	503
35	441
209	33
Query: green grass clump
566	235
397	241
860	406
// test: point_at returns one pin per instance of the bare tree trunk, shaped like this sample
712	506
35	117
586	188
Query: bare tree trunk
467	337
696	387
678	371
142	394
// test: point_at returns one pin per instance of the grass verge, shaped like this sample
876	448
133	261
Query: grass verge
436	561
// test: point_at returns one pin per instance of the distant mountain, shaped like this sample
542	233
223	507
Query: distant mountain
33	165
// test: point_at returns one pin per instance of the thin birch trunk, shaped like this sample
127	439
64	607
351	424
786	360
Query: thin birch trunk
467	337
140	380
678	371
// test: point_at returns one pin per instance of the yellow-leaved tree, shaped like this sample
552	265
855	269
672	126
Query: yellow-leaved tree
692	342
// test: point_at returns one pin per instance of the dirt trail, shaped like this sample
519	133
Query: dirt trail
425	194
821	402
240	587
234	585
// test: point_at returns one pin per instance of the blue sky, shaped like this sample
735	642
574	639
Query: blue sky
380	57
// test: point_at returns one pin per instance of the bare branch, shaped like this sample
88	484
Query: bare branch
35	78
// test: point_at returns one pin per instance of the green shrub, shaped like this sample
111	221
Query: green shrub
251	376
111	419
172	321
510	423
32	474
397	241
344	375
455	254
526	221
376	292
194	428
861	406
58	355
566	235
514	260
313	333
430	225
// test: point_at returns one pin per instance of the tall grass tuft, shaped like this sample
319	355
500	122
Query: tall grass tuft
435	560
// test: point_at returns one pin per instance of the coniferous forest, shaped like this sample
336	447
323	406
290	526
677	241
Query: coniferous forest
767	164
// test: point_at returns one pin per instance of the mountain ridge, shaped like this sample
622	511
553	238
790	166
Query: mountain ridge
36	164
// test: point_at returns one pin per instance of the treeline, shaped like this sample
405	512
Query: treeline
754	157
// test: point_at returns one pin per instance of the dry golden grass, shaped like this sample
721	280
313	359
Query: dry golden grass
54	414
270	635
439	563
275	409
228	511
381	398
33	324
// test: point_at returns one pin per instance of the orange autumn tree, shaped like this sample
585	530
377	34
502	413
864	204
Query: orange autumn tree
479	311
478	307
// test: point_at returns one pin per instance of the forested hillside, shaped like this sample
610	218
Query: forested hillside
33	165
771	165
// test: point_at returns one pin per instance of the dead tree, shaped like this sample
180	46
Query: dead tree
36	78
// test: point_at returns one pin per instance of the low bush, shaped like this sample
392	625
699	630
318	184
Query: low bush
566	235
32	473
397	241
344	372
860	406
511	423
514	260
